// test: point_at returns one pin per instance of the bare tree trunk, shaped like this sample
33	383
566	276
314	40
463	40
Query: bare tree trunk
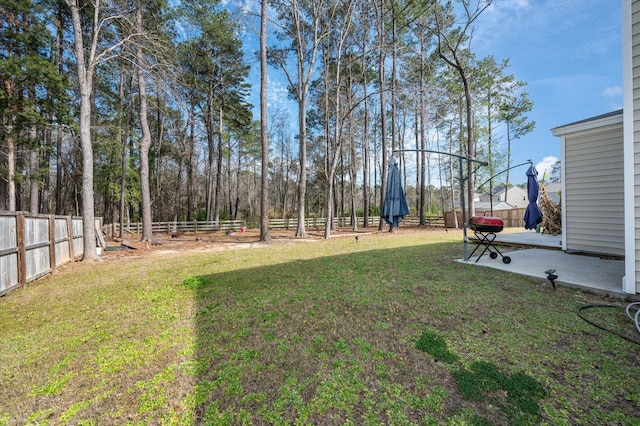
302	180
125	142
85	71
11	167
452	180
353	172
334	144
190	163
471	143
264	136
218	187
59	172
159	205
145	141
394	55
236	205
44	160
230	188
34	184
452	58
383	110
60	26
176	194
209	122
328	141
366	165
490	147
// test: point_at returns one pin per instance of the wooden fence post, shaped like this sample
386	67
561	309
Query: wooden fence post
22	265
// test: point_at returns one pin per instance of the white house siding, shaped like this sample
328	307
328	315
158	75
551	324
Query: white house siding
593	200
632	128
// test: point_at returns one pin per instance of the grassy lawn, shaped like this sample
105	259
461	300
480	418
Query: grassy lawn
385	330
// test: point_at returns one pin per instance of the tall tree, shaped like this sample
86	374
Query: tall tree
381	26
362	36
420	73
31	91
85	68
216	62
87	62
492	85
300	26
335	59
264	135
453	50
145	141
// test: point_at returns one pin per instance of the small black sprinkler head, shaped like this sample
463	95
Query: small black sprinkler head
551	276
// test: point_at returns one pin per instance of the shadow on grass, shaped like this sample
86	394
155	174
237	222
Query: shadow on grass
333	340
517	395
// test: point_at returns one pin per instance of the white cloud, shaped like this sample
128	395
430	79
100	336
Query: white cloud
277	94
249	7
611	92
544	166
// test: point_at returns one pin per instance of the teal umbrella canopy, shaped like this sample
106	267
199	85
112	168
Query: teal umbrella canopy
394	208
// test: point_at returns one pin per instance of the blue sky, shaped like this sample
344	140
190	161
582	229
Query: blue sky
569	52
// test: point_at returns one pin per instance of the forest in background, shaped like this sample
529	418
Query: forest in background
137	110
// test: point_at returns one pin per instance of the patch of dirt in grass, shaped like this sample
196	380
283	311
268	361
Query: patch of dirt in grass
167	244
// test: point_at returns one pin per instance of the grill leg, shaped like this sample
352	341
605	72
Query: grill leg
486	239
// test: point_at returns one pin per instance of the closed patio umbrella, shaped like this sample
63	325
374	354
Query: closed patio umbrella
395	206
532	216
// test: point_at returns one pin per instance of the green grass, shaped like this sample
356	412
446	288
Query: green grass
388	330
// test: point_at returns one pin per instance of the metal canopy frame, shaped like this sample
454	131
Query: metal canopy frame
462	178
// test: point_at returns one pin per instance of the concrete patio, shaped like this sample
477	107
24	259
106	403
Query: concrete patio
591	273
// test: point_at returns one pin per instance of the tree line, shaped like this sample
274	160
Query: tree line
137	110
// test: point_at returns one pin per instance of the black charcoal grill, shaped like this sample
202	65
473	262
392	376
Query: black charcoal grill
485	229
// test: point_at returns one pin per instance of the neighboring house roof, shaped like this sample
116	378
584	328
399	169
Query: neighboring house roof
498	194
552	186
553	189
516	198
498	205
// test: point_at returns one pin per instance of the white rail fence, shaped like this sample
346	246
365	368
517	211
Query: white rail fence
226	225
235	225
135	228
34	245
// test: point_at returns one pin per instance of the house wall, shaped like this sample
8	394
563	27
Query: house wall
516	196
593	197
631	84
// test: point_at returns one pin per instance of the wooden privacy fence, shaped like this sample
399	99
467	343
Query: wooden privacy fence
33	245
513	218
